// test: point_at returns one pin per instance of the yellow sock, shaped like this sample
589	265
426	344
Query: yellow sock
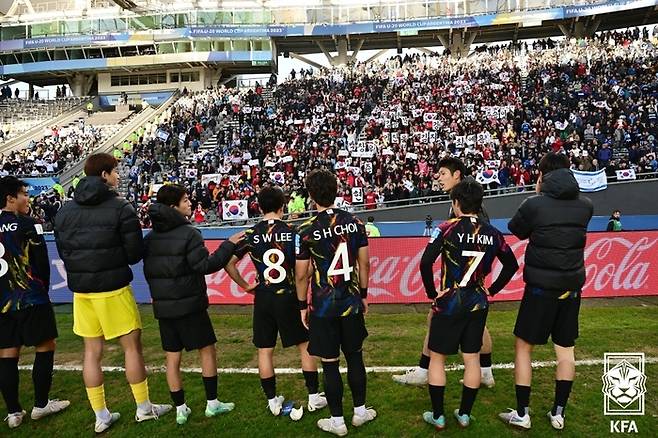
96	398
140	392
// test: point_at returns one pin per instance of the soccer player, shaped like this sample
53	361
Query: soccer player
175	264
335	242
468	248
271	246
26	315
98	237
451	172
555	222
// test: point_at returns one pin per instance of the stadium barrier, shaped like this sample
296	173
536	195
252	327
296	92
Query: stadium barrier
618	264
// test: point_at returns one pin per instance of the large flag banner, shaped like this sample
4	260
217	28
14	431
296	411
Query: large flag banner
626	174
206	178
235	210
591	181
487	176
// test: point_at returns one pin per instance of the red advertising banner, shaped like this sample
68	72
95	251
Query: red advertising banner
618	264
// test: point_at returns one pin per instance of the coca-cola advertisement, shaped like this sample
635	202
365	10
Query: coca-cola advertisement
618	264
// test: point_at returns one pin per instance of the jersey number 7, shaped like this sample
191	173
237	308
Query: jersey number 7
472	267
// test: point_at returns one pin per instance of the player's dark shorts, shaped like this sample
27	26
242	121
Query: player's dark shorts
450	333
542	316
327	336
191	332
277	314
28	327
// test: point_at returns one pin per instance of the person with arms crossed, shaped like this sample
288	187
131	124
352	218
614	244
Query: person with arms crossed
98	237
26	314
335	242
451	172
176	262
555	222
468	248
271	245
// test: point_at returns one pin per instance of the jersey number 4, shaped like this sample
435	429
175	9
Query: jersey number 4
344	257
478	255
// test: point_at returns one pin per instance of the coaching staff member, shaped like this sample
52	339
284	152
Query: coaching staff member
98	237
555	222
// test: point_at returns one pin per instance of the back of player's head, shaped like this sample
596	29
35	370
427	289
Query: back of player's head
271	199
10	186
552	161
469	194
170	195
322	186
371	219
453	164
96	164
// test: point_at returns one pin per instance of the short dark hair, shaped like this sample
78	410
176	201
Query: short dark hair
10	186
469	194
453	164
170	194
271	199
322	186
371	219
553	161
96	164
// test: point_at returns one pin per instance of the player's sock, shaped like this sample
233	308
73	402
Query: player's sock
338	421
312	383
562	391
356	377
522	400
424	362
96	396
269	387
361	411
178	397
9	383
468	398
141	394
485	364
42	377
333	388
436	395
210	385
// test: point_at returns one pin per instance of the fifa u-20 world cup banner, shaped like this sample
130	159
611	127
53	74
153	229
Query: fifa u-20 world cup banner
618	264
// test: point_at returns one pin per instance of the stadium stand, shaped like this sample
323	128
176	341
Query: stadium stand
499	110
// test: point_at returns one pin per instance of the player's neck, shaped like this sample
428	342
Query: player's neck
321	209
271	216
9	210
467	215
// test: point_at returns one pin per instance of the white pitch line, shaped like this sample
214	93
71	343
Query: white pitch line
453	367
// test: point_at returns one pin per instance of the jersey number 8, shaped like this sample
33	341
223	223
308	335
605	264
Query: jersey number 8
276	265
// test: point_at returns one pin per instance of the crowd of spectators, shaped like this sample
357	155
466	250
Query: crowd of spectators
384	126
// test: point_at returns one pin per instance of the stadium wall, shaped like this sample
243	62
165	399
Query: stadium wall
629	197
618	264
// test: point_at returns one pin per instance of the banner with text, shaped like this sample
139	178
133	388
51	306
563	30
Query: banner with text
618	264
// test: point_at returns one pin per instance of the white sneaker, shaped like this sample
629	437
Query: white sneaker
513	419
316	401
415	376
557	421
14	420
102	426
358	420
276	405
156	412
53	407
328	425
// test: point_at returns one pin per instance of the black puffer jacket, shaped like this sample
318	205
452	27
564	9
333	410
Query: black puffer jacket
176	262
98	237
556	223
